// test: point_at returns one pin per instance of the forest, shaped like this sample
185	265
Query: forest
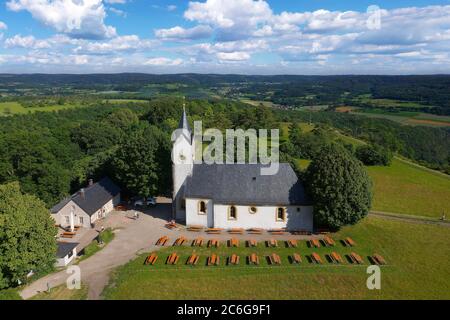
54	153
430	93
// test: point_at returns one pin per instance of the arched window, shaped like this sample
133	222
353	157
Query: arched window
202	207
232	213
281	214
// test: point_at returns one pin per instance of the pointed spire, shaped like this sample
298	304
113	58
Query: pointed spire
184	124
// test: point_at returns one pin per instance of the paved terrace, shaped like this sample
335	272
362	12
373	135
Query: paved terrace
133	237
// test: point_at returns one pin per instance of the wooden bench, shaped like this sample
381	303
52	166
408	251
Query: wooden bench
214	230
335	257
274	259
272	243
213	243
252	243
296	258
328	241
378	259
67	235
197	242
213	260
356	258
179	241
193	259
277	231
233	259
236	231
314	243
255	231
253	259
194	228
172	258
233	242
349	242
151	259
316	258
171	225
292	243
300	232
322	230
162	241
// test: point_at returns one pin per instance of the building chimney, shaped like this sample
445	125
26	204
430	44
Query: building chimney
91	183
82	195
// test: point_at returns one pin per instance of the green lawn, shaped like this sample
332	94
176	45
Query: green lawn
7	108
413	271
404	188
63	293
107	236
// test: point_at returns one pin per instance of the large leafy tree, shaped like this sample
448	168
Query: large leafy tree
142	162
340	187
27	235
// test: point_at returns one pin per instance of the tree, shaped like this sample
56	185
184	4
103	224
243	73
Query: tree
122	118
142	162
27	235
340	187
372	155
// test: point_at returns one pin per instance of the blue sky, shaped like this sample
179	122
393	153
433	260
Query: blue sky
225	36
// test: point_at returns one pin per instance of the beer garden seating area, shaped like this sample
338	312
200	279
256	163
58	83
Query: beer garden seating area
299	249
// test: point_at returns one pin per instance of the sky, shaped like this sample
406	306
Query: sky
225	36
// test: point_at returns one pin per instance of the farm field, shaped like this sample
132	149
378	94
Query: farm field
413	271
409	118
7	108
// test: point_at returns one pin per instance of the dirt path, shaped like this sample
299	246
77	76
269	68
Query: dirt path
401	217
133	237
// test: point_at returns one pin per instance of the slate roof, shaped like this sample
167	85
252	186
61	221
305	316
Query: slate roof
64	248
184	124
243	184
95	197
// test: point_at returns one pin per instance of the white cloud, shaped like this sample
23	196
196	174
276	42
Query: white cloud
179	33
77	18
233	56
118	12
171	7
234	19
116	1
118	44
3	26
162	61
26	42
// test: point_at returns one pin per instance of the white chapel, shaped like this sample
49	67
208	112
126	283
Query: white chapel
235	195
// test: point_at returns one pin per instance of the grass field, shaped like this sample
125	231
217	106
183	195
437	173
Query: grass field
7	108
63	293
404	188
417	257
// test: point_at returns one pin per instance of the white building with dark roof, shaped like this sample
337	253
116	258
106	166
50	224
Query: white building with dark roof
87	205
65	253
235	195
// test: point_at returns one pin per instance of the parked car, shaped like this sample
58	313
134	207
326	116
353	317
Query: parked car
150	201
